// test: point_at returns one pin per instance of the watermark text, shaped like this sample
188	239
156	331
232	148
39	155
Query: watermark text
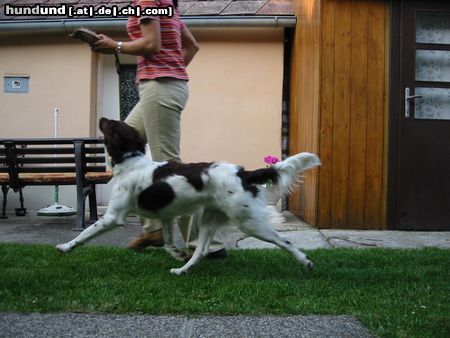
72	11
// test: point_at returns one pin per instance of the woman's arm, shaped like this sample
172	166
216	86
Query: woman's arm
147	45
189	46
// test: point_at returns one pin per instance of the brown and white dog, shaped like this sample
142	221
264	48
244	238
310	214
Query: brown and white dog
226	193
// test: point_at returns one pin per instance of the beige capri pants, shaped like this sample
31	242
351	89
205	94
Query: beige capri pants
157	117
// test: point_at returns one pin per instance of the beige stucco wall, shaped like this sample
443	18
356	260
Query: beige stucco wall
63	75
234	108
233	113
235	101
60	76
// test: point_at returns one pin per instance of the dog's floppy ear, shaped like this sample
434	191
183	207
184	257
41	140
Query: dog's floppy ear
103	124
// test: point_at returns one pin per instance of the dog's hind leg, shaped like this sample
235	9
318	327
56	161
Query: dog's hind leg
266	233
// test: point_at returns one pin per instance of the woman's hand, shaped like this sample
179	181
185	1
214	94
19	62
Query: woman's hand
105	45
147	45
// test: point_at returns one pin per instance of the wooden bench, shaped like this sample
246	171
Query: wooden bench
62	161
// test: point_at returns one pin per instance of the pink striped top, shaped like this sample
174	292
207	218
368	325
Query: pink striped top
169	61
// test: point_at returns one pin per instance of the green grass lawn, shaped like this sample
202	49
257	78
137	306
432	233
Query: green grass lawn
403	293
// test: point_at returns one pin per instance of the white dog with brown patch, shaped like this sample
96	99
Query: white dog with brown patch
224	192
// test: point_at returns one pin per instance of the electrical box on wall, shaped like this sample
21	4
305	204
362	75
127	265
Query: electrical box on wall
16	84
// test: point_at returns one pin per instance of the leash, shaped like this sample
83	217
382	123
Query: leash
117	63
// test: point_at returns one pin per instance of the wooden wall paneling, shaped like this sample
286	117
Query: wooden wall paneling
310	125
294	106
375	115
338	109
341	116
358	115
303	105
305	99
326	113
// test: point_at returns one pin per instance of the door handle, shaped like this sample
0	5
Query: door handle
409	97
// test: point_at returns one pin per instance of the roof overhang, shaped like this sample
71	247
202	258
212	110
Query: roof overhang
35	27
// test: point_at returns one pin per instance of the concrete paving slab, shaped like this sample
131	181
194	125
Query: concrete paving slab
53	230
386	239
96	325
34	229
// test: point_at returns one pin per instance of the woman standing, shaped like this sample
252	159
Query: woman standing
164	47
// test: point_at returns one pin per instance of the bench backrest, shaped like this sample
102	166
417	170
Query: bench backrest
62	155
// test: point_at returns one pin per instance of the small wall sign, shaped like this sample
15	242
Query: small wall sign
16	84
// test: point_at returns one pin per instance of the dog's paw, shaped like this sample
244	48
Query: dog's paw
310	265
178	272
183	256
187	255
176	253
64	248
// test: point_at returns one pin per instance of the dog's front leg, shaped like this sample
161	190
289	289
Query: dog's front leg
168	229
204	237
104	224
115	215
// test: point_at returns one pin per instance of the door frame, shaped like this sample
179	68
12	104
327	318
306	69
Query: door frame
395	104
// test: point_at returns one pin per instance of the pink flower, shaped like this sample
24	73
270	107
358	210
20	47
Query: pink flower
271	160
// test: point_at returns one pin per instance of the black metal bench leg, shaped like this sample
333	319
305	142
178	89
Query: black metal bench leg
21	211
5	189
79	223
81	207
93	204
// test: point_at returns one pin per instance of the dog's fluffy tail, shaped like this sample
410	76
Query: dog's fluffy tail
288	171
283	175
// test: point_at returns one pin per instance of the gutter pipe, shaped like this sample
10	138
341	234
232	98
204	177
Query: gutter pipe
14	28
